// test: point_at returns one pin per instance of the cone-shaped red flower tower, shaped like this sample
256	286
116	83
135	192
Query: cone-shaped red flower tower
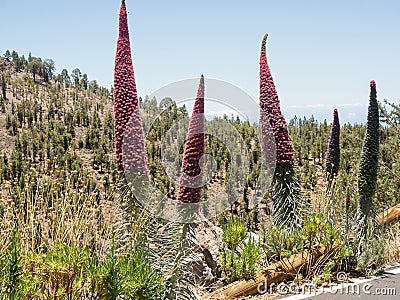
286	194
333	150
128	130
190	184
270	105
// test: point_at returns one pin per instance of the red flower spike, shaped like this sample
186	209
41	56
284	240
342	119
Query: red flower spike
126	106
333	150
190	184
372	83
270	106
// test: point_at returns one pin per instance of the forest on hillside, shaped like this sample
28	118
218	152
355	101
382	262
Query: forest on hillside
63	224
108	195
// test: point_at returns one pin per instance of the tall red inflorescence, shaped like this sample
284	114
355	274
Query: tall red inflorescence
333	150
190	183
271	111
286	195
127	122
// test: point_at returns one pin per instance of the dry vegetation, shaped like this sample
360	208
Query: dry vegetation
64	212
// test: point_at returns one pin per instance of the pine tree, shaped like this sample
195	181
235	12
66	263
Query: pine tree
3	87
286	194
128	130
190	184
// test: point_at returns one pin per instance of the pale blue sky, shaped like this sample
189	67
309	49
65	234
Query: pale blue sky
322	53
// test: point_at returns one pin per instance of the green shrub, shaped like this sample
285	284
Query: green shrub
238	257
371	259
14	284
61	271
132	276
141	279
234	232
11	270
279	242
67	272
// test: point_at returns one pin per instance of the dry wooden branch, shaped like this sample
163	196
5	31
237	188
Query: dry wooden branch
273	274
389	215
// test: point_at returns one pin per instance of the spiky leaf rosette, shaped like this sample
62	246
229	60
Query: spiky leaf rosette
368	170
190	184
173	249
333	150
126	106
286	194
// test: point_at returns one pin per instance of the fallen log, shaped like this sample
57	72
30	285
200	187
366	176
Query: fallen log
389	215
275	273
